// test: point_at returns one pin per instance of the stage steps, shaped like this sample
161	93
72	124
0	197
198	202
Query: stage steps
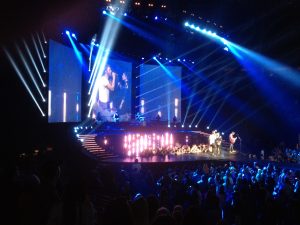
88	142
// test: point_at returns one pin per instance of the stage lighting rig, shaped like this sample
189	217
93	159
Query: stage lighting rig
112	9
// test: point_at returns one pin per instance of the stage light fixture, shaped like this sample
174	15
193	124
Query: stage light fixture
207	127
155	17
190	126
182	125
74	36
67	32
226	49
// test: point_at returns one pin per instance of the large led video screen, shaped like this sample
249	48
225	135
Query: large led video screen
160	92
65	77
113	92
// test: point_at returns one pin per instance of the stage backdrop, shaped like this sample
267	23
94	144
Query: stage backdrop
65	75
160	92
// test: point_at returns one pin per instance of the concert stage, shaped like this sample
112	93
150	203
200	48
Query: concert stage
151	143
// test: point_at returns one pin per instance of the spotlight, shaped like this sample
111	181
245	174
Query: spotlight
223	133
104	12
155	17
74	36
182	125
225	42
190	126
207	127
67	32
226	49
125	14
186	24
154	57
169	125
196	126
178	60
143	58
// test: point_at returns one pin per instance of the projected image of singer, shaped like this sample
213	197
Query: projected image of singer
123	88
106	84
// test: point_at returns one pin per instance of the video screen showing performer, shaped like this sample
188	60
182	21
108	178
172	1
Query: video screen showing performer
113	99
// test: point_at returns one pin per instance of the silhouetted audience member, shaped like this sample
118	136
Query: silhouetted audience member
177	214
140	210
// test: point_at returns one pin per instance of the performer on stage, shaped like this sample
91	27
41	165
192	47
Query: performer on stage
211	140
218	142
232	140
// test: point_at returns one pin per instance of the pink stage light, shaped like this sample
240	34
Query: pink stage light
134	144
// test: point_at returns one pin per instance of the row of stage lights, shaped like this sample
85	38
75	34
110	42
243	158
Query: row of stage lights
208	33
166	59
113	10
82	128
138	4
207	21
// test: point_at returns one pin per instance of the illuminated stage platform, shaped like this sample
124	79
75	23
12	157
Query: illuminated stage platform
150	143
184	158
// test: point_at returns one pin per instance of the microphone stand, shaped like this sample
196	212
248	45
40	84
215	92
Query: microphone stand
240	145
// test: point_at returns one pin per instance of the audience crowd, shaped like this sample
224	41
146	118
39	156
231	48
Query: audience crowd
47	190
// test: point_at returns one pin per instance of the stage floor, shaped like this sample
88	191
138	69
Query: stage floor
224	157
